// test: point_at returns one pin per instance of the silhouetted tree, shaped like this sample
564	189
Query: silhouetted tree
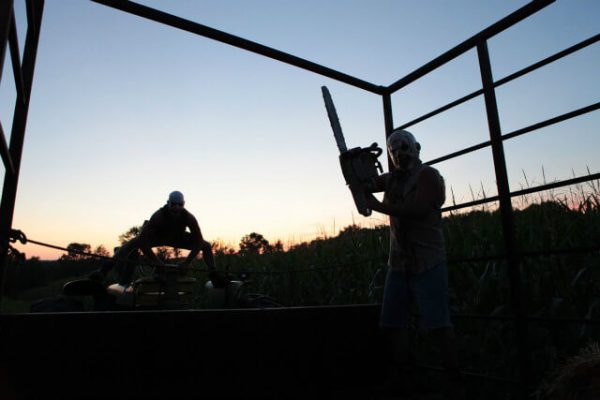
220	248
254	243
277	247
101	251
75	250
130	234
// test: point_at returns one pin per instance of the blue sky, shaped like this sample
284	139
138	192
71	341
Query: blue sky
124	110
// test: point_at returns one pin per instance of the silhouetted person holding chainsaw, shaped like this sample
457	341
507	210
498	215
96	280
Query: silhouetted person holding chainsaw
166	227
417	271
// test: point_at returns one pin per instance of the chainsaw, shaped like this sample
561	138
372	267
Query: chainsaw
359	165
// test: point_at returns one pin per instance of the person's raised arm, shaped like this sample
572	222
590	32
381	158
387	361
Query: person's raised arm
429	195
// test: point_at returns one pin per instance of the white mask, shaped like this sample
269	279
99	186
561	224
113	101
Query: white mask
403	149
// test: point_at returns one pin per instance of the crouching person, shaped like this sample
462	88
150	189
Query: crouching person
168	226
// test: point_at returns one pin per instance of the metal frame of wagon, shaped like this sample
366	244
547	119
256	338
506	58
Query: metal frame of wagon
23	71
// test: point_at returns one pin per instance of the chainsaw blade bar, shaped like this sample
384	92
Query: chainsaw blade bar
334	120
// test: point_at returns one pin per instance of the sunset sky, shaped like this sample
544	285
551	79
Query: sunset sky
125	110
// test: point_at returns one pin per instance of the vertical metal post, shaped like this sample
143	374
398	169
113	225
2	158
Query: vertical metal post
6	8
388	120
9	190
506	213
13	40
6	20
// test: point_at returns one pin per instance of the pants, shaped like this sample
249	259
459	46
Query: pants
129	254
428	289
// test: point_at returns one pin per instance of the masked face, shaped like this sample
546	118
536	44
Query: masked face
403	149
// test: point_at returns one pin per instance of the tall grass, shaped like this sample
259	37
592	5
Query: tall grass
324	271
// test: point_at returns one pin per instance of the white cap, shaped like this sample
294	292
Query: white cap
176	197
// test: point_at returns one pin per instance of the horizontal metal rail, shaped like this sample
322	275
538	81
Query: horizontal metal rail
552	121
468	204
442	109
470	43
519	132
523	192
548	60
504	80
236	41
556	184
